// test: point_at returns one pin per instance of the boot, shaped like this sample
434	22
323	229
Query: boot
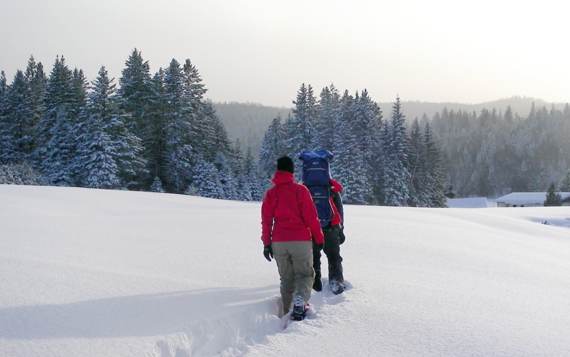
299	308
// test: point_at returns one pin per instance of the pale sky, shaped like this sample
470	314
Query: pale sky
262	50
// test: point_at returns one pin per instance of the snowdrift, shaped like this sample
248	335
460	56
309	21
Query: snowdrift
112	273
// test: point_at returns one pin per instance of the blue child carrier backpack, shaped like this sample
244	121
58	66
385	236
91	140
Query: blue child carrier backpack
316	177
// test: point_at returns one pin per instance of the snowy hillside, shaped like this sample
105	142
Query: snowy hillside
111	273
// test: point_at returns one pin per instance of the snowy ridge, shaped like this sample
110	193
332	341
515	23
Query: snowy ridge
114	273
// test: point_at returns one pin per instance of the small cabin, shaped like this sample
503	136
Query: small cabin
528	199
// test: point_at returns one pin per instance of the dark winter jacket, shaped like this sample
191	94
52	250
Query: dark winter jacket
288	212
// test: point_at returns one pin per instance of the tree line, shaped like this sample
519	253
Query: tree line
151	132
378	160
491	153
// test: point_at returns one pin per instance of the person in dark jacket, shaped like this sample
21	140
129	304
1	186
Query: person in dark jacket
334	237
289	223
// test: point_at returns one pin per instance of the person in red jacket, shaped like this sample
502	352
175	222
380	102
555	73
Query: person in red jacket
290	225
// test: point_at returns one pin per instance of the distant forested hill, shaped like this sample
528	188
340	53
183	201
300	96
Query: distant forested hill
249	121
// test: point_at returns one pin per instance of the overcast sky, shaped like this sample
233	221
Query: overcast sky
261	50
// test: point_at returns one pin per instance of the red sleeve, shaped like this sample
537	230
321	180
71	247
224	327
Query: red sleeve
267	209
310	216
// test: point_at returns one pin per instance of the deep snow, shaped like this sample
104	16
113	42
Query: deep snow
110	273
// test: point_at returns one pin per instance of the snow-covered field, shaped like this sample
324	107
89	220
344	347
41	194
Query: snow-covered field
109	273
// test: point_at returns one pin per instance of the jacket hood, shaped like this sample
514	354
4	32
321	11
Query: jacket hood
336	186
282	177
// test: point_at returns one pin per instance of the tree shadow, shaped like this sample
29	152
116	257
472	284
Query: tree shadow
138	315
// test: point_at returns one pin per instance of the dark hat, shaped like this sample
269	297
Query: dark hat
284	163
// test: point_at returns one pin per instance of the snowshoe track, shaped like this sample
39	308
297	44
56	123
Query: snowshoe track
234	334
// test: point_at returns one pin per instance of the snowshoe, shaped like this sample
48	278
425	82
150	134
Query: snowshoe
299	309
337	287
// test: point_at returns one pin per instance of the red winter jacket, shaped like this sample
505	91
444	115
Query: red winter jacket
288	212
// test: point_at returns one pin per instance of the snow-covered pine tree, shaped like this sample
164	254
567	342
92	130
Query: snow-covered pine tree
178	151
16	128
366	128
101	138
349	165
396	174
3	84
135	91
272	147
205	181
37	82
155	137
54	132
435	177
252	176
227	180
417	167
202	117
79	93
236	161
215	139
194	89
299	129
325	122
128	150
384	162
99	168
6	132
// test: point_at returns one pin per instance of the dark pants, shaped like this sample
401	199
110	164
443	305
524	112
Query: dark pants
332	251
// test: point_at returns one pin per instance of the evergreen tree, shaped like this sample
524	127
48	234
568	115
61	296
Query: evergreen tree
228	182
417	167
107	139
178	151
272	147
350	165
135	91
96	161
553	198
216	137
194	89
435	179
396	174
16	128
79	93
54	132
324	125
154	134
252	176
37	82
3	84
299	129
206	182
7	147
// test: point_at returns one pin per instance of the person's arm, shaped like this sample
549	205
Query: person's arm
337	200
267	209
310	216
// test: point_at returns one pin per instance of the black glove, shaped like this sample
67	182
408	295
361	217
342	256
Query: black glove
341	236
268	252
320	246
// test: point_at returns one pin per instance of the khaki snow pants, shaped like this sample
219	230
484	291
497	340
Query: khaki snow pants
295	265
